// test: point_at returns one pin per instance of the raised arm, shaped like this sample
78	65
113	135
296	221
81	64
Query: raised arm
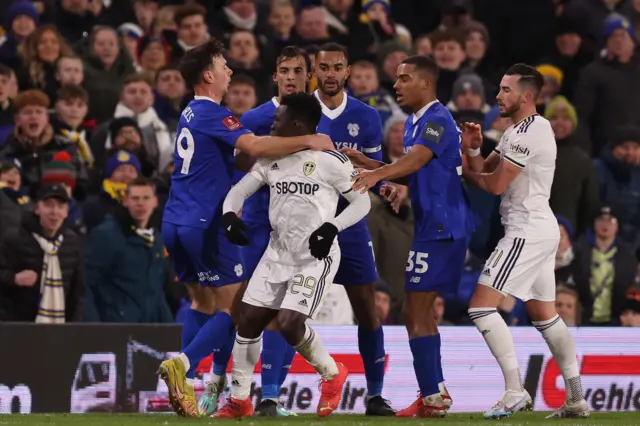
471	143
276	146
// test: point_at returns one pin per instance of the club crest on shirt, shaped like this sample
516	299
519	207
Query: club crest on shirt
354	129
231	123
308	168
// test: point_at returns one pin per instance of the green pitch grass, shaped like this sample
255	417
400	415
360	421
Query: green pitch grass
528	419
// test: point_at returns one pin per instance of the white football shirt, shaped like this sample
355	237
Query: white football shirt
530	145
303	195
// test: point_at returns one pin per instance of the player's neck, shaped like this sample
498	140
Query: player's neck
332	101
208	93
523	112
423	103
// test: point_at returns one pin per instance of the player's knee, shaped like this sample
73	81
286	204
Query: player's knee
290	324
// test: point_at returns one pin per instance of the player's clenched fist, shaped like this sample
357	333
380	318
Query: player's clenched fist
471	135
321	240
319	142
235	229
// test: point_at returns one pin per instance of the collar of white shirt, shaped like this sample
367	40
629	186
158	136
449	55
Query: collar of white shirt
418	115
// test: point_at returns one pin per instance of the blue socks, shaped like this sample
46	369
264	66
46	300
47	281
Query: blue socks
371	345
214	335
276	354
193	322
222	356
440	375
425	363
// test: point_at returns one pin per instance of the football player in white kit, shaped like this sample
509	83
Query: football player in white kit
302	258
521	170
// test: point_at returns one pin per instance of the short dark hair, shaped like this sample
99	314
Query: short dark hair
529	75
70	92
303	107
242	79
5	70
334	47
187	11
424	64
142	181
291	52
441	36
140	77
170	67
198	60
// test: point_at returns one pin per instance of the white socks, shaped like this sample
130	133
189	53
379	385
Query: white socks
560	341
498	337
312	349
246	353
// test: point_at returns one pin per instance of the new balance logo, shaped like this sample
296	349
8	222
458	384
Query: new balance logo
274	166
487	272
303	302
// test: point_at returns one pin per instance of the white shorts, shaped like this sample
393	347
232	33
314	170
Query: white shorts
523	268
301	288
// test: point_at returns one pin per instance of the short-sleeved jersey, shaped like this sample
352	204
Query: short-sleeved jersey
530	145
259	121
204	163
304	189
354	125
438	197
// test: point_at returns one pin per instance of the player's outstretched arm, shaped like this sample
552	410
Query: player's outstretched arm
234	228
408	164
276	146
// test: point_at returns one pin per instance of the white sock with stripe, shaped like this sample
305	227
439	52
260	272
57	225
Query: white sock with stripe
498	337
246	353
560	342
312	349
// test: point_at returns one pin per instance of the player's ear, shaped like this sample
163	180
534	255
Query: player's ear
275	77
207	76
348	72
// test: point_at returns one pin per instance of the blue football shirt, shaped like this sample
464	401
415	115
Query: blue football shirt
438	197
204	163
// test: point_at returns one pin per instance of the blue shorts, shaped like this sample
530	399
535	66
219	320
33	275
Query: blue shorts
357	264
435	265
259	235
203	255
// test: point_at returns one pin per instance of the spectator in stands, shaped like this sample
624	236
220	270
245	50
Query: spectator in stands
241	96
22	20
126	135
129	34
568	306
630	316
553	78
6	110
191	27
69	70
448	52
60	171
146	11
122	168
124	261
32	263
468	104
591	15
389	56
152	53
76	18
393	148
604	270
564	254
282	20
608	92
364	85
68	121
383	302
476	46
423	46
244	58
237	15
340	17
136	101
618	175
13	202
39	53
311	27
106	66
574	193
33	142
170	88
165	25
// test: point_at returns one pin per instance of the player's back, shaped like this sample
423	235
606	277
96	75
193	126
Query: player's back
203	160
302	197
438	197
530	145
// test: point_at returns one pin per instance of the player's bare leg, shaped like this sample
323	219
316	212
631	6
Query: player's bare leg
371	345
246	352
555	332
293	327
484	314
423	340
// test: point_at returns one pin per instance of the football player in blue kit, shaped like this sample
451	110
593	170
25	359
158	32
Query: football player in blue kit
292	74
433	166
353	124
205	261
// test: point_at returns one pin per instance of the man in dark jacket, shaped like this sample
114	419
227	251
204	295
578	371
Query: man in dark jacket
124	261
6	112
41	273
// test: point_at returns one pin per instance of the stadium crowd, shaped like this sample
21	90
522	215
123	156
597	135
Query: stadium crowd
90	97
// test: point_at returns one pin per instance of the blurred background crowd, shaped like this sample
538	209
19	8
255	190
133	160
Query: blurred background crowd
90	97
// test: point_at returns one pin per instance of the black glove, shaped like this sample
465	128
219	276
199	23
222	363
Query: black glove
235	229
321	240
